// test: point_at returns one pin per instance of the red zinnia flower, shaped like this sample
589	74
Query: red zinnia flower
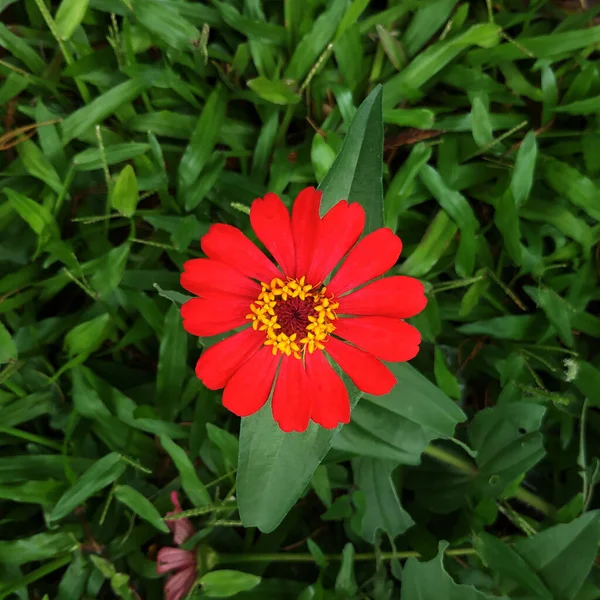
297	320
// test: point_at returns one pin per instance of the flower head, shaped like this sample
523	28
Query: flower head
181	562
298	319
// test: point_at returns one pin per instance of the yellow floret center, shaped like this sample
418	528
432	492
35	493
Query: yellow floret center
295	316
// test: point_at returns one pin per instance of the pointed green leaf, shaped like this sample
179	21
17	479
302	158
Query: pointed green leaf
141	506
430	581
102	473
225	583
190	481
563	555
69	16
124	196
383	509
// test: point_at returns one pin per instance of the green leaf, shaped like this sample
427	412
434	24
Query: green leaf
39	166
315	41
88	336
558	312
69	16
275	467
92	159
172	367
433	59
21	50
322	156
37	216
41	546
568	181
202	141
522	175
445	379
228	444
105	105
383	509
345	582
430	581
124	195
508	443
399	426
190	481
506	219
225	583
141	506
165	22
102	473
586	379
8	349
356	172
480	121
563	555
402	185
276	92
504	560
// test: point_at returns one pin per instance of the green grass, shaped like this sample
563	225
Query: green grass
128	126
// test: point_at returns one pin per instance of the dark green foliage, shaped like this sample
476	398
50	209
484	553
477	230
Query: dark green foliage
470	128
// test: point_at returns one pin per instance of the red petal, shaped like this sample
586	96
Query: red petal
249	388
367	373
388	339
399	297
203	276
210	316
305	224
229	245
371	257
292	398
331	404
271	222
338	232
178	586
219	362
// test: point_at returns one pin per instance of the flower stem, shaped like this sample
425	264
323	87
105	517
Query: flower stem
306	557
466	466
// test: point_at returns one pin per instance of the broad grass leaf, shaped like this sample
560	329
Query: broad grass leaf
141	506
8	349
275	467
105	105
399	426
504	560
38	547
430	581
383	508
38	166
315	41
227	583
563	555
69	16
194	488
91	158
508	443
172	367
522	175
345	582
276	92
164	21
102	473
124	195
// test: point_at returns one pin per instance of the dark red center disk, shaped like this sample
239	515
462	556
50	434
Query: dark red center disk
292	315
